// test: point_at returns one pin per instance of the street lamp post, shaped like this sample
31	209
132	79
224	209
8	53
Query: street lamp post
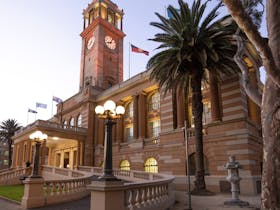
38	137
109	112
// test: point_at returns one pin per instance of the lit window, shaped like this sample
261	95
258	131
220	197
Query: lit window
125	165
206	117
129	133
72	122
79	121
206	112
111	17
151	165
154	128
154	103
129	110
6	162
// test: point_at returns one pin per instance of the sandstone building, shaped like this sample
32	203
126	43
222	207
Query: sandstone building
150	136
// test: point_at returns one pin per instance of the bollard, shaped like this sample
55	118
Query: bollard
233	177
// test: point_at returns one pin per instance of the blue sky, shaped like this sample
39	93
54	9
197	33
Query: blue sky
40	50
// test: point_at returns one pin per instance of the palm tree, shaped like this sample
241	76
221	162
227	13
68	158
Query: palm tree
192	42
7	130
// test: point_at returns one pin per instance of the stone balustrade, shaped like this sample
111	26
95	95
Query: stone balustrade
11	177
138	189
147	196
48	124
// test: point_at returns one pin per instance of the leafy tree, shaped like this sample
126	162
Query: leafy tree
7	130
192	42
269	99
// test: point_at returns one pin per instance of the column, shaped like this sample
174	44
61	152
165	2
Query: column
61	164
254	110
180	102
135	117
78	154
100	132
120	128
43	153
142	115
14	158
29	151
216	112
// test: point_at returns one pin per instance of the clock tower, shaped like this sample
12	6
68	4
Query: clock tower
102	45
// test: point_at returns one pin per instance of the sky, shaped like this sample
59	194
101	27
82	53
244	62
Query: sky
40	49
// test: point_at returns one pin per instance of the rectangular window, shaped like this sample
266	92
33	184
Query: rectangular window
129	133
6	162
154	128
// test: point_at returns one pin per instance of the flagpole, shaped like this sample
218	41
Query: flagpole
129	60
36	112
27	117
52	108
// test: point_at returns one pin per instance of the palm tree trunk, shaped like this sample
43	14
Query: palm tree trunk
197	109
10	154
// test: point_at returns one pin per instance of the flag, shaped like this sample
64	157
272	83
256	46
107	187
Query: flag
138	50
56	99
32	111
169	14
40	105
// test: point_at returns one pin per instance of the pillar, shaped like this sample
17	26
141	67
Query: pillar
142	115
107	195
78	154
135	117
253	109
180	105
120	129
29	151
33	194
216	112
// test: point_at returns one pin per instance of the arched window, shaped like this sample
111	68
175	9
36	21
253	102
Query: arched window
151	165
125	165
129	110
79	120
192	165
154	102
72	122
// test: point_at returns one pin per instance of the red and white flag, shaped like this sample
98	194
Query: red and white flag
138	50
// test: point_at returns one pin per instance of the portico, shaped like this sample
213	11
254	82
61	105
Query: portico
63	147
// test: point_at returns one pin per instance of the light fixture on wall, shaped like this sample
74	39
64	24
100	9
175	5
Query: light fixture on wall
109	112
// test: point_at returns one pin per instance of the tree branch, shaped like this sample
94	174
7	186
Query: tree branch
245	23
251	91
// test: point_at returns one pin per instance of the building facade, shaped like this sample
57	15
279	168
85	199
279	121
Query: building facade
150	135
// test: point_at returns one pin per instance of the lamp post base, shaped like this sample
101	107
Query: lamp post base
108	177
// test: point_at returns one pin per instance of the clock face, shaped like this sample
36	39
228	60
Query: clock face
110	42
90	42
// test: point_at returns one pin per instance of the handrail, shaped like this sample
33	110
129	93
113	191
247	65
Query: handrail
141	189
12	176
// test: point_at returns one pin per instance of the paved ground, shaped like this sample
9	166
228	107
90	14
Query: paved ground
214	202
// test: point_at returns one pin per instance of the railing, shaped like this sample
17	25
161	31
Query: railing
148	196
62	172
12	176
144	190
141	190
54	125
